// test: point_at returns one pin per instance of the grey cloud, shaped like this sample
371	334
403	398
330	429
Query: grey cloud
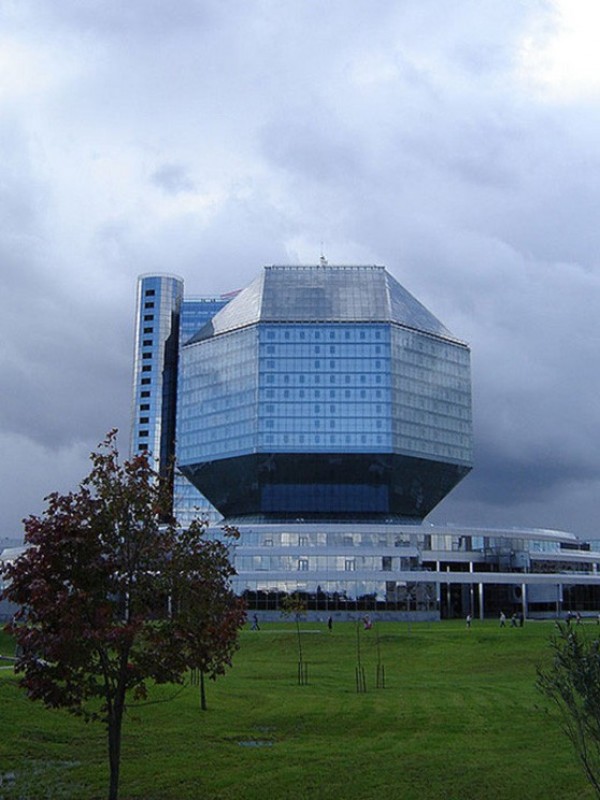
173	179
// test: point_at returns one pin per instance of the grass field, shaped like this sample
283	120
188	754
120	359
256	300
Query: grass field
459	719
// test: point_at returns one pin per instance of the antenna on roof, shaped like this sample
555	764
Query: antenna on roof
322	260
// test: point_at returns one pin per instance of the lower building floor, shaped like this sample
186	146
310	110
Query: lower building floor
415	571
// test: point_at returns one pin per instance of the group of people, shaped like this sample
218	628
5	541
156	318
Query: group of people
516	620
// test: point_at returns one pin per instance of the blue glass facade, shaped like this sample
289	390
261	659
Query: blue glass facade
188	502
306	397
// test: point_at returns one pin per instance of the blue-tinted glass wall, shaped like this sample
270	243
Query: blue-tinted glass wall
431	397
324	387
342	387
188	502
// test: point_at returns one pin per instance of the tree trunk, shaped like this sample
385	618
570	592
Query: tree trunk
115	720
202	692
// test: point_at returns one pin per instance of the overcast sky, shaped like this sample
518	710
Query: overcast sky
457	142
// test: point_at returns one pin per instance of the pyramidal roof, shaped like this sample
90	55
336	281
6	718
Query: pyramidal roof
323	293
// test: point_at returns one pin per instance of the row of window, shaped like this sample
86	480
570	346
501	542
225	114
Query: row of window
352	424
353	350
318	333
364	442
341	365
333	563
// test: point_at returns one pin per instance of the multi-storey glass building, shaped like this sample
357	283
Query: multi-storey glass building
164	322
326	412
325	392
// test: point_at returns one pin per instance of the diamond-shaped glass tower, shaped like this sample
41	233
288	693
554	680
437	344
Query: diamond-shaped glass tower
324	392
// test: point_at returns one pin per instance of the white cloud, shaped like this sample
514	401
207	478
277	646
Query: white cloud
562	60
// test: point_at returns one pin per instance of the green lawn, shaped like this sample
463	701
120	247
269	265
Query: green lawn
458	719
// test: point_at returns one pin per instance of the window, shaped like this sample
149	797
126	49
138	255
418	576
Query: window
143	434
148	330
303	541
386	563
303	564
147	343
148	305
143	446
145	407
148	317
145	382
145	393
350	565
147	368
144	420
149	292
146	355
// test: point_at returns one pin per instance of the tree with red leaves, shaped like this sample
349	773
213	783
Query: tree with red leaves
111	598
